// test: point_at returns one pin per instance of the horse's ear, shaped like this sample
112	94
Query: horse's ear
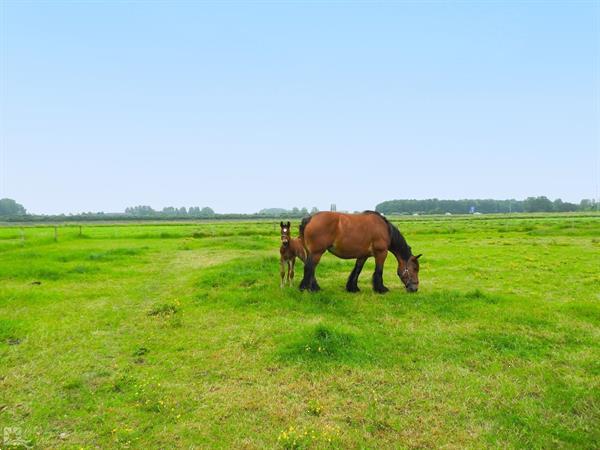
281	224
419	255
288	224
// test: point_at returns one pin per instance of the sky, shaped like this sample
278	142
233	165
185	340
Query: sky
247	105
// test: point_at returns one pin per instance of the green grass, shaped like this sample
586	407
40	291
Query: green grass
178	335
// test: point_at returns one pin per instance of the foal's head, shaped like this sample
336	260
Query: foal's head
285	233
408	271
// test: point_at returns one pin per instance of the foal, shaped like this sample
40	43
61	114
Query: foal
290	248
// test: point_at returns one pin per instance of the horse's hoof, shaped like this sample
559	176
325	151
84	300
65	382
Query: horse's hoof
352	289
382	290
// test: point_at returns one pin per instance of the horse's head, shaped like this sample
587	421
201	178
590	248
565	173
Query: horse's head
408	271
285	233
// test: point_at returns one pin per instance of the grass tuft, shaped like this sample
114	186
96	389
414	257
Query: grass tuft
9	330
165	309
325	344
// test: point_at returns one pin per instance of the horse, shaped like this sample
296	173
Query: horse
289	250
357	236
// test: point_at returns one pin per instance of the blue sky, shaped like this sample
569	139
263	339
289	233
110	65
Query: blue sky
241	106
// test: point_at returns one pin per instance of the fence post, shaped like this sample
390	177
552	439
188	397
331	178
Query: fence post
79	230
55	233
22	236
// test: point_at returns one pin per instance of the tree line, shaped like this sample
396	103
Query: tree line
169	211
206	212
483	206
10	210
282	212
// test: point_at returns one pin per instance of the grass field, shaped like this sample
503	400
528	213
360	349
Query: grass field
178	335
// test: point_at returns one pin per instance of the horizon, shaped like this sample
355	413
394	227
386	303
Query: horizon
160	210
242	107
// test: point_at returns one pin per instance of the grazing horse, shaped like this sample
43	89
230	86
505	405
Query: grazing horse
357	236
289	250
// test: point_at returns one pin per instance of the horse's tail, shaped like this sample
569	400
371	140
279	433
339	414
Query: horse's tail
303	224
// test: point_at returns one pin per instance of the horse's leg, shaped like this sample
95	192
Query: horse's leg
378	275
289	268
352	284
309	281
315	258
292	271
281	271
308	273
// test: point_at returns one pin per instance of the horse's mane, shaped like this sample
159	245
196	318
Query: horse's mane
397	241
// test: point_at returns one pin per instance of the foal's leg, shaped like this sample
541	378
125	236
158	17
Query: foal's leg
292	271
378	275
289	268
281	271
352	284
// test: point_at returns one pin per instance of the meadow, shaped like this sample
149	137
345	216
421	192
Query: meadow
179	336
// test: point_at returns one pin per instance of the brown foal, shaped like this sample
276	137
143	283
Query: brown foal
289	250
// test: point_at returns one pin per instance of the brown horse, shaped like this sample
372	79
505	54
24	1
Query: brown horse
289	250
359	236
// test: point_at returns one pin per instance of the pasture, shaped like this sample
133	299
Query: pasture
179	336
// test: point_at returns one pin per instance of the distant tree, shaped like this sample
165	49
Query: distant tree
559	206
537	204
587	204
140	211
304	212
182	211
295	211
8	207
273	211
314	210
207	212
